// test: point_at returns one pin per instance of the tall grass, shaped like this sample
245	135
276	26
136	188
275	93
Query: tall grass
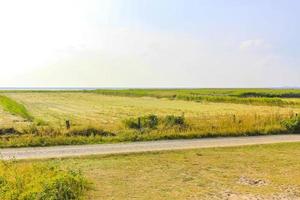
155	128
14	107
39	182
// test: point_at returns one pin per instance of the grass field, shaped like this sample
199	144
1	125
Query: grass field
273	97
252	172
38	117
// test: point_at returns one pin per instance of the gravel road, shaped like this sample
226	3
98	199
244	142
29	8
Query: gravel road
82	150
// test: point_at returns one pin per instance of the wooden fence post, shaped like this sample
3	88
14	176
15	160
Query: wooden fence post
139	123
68	124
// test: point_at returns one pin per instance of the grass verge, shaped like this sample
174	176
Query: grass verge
30	140
249	172
40	182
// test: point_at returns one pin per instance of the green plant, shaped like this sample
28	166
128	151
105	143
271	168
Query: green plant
131	123
292	124
149	121
172	120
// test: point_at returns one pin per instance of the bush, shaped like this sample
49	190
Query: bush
8	131
152	121
292	124
132	123
149	121
172	120
89	132
40	182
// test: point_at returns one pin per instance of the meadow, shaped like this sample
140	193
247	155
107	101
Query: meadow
38	118
249	172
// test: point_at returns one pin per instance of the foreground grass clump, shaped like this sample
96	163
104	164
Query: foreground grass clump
14	107
39	182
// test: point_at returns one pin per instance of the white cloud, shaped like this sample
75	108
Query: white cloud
254	44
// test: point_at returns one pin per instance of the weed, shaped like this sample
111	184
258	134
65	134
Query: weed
39	182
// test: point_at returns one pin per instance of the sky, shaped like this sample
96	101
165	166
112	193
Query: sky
149	43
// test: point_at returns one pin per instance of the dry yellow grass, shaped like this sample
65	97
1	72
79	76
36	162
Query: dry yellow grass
95	114
85	109
9	120
252	172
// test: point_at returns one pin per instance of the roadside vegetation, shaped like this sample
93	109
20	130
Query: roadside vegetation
292	124
95	118
152	127
40	181
152	122
248	172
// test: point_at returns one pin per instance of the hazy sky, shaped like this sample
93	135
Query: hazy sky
149	43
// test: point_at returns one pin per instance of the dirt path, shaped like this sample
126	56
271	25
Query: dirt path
81	150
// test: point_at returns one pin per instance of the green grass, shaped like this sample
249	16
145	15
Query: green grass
40	181
242	92
14	107
240	96
213	173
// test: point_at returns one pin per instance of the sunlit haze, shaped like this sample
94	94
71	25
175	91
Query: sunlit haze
149	43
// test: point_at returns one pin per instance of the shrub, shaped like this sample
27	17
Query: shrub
8	131
40	182
89	132
149	121
292	124
131	123
172	120
152	121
